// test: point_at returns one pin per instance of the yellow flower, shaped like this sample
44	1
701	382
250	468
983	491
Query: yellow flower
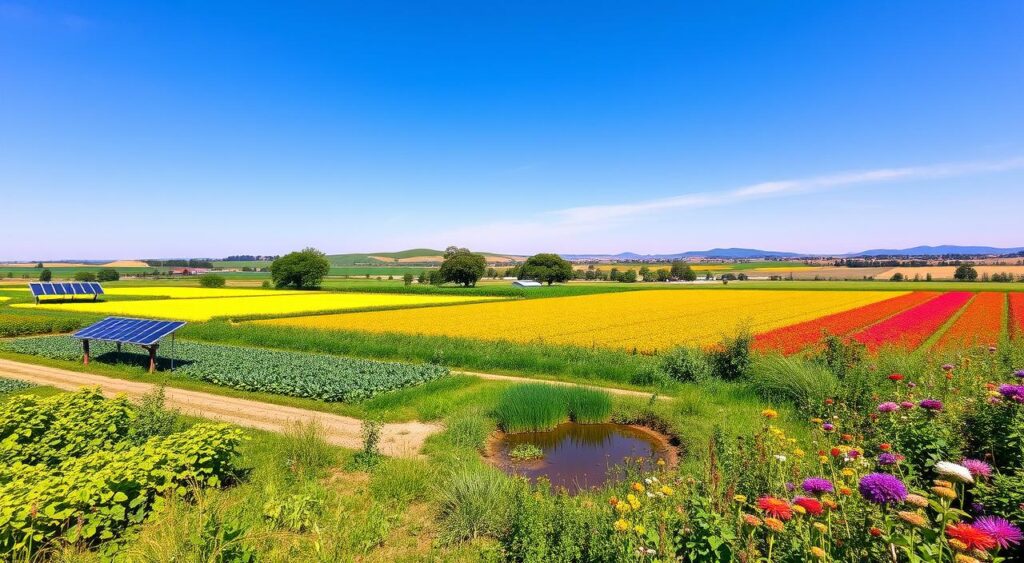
661	462
633	502
945	492
958	545
774	524
820	527
621	525
622	508
666	490
639	529
817	420
942	483
740	498
769	413
962	558
638	487
818	552
917	500
799	509
847	472
823	459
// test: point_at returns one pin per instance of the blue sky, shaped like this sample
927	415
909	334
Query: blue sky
134	129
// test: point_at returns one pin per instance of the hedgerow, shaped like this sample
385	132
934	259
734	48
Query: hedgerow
69	475
298	374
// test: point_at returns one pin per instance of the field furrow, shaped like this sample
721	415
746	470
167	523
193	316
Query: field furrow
911	328
980	324
794	338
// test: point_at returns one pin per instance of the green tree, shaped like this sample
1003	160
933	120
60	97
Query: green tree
663	274
407	278
303	269
46	275
423	277
39	264
85	276
629	276
108	274
546	268
965	272
897	277
212	280
462	266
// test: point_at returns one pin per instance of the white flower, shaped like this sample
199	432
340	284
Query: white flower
780	457
954	472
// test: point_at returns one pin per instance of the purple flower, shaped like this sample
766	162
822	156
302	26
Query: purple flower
817	486
1011	391
1019	373
828	427
887	459
882	488
790	486
931	404
1005	533
911	384
977	467
947	367
907	405
888	406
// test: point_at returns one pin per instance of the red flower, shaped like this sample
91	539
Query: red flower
812	506
836	452
875	532
884	447
775	507
972	537
829	401
896	377
847	437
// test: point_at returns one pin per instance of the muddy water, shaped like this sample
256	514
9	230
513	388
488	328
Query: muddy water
580	456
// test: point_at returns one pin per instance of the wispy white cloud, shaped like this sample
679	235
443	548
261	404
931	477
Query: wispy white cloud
577	221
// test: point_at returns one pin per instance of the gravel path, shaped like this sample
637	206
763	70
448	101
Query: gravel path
397	439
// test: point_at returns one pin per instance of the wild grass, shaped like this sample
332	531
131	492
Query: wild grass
473	502
791	379
536	406
306	452
402	480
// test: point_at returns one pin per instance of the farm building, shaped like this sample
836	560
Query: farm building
188	271
527	283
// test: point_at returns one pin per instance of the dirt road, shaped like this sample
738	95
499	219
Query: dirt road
524	379
397	439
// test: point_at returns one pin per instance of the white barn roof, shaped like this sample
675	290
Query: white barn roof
527	283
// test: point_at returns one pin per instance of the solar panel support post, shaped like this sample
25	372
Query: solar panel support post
85	349
152	357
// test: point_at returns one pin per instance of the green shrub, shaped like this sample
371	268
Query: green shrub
107	274
369	456
468	430
152	418
402	480
68	459
526	452
85	276
212	280
687	364
730	361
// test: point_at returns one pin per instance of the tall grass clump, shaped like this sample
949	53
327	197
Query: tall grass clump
306	451
532	407
474	502
588	406
791	379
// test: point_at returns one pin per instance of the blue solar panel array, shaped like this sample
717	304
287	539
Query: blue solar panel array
144	332
45	289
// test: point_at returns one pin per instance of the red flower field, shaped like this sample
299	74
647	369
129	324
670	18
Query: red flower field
980	324
794	338
911	328
1017	315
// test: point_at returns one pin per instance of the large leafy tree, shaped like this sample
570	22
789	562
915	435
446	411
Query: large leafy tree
965	272
462	266
303	269
682	271
546	268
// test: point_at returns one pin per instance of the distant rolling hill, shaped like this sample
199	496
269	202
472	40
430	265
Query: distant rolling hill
943	250
411	256
723	253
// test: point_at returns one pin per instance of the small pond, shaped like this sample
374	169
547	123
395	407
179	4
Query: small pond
580	456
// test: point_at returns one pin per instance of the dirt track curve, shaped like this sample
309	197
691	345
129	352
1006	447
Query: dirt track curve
397	439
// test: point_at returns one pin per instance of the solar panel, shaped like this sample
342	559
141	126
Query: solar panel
65	288
144	332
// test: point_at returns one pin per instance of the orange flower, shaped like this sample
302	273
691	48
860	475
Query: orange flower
775	507
972	537
885	447
845	491
751	520
774	524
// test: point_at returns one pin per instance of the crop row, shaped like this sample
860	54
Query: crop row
794	338
646	321
298	374
909	329
1017	315
981	323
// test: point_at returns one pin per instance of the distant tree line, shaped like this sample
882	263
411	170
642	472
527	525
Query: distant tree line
249	258
181	263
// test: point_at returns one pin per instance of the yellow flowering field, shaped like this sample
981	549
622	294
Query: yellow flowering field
202	309
194	292
645	320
